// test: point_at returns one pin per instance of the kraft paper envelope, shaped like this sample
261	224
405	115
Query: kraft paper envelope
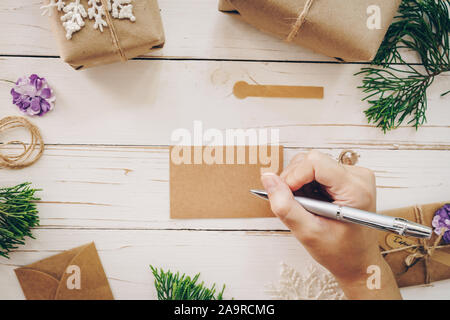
53	278
220	190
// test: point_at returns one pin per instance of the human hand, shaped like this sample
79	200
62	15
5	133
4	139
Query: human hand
345	249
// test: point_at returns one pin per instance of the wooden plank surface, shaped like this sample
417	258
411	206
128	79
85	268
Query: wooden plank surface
105	168
128	187
245	261
162	96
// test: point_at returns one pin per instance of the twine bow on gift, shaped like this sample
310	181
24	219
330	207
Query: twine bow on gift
300	21
423	250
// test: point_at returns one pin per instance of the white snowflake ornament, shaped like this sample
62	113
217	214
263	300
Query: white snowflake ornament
48	8
314	285
75	13
73	20
122	9
97	12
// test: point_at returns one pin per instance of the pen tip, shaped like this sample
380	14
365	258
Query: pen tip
260	193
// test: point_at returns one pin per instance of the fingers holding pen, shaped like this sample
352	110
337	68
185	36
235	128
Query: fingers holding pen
314	166
348	185
284	206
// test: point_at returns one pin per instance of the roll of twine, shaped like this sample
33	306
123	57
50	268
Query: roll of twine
31	152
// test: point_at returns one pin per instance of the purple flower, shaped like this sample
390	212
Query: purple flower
442	220
33	95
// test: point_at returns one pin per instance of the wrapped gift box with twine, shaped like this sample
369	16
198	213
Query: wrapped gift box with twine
346	29
416	261
95	32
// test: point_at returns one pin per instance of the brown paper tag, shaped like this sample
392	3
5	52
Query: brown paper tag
395	241
200	189
243	90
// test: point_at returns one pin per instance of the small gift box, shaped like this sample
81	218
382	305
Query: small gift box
419	261
346	29
96	32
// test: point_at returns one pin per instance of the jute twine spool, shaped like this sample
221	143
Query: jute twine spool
29	155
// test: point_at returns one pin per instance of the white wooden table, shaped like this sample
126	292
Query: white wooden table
106	167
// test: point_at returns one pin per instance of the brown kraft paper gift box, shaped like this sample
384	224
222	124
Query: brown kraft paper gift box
425	265
336	28
90	47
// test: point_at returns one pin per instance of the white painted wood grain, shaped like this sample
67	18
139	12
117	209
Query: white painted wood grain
116	192
143	102
128	187
244	261
194	29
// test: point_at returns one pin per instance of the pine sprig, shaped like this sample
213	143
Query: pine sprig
170	286
18	214
397	90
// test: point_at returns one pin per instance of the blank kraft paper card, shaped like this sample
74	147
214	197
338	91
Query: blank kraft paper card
214	182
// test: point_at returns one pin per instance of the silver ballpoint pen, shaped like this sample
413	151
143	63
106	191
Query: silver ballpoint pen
373	220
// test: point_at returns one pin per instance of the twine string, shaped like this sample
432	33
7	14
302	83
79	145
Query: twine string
28	155
299	22
113	31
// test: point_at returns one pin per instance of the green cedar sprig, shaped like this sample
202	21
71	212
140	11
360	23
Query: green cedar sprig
18	214
397	90
170	286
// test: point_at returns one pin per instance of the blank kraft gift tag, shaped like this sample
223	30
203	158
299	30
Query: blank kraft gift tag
203	188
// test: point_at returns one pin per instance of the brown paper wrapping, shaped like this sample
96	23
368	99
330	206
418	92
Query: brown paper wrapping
202	191
438	263
89	47
47	279
336	28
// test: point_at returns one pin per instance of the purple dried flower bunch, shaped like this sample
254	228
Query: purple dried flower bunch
442	220
33	95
